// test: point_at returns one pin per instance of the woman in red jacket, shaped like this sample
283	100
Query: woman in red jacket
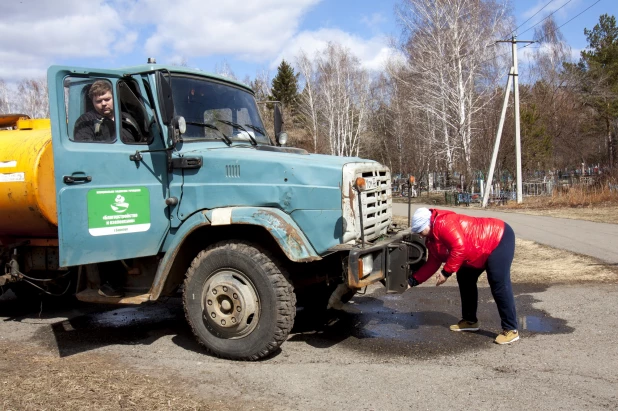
468	246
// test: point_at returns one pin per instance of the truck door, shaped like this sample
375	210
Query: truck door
111	205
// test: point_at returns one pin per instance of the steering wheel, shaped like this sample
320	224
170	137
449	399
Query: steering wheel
129	124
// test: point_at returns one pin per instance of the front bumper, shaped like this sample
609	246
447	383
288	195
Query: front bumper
393	260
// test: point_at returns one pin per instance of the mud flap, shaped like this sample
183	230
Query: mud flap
401	257
397	272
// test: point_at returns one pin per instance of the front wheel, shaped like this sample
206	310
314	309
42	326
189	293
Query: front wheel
238	301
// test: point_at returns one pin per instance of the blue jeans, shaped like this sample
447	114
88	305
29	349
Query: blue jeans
498	268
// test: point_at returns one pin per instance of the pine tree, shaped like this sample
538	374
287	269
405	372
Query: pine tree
600	65
285	86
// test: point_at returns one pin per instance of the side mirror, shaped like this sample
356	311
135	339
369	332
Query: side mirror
164	97
282	139
278	120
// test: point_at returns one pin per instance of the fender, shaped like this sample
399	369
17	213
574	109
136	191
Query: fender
280	225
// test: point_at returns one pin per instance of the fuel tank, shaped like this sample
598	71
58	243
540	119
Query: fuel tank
27	188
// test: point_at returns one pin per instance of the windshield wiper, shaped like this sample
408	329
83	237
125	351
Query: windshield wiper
238	126
256	128
225	138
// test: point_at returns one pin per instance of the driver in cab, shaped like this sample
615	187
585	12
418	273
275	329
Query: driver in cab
98	124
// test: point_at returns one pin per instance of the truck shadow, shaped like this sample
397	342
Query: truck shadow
414	323
81	327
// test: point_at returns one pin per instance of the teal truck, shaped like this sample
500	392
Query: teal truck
179	188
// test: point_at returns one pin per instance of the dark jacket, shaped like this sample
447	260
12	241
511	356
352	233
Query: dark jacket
91	126
459	240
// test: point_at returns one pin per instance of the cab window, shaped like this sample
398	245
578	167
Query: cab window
91	111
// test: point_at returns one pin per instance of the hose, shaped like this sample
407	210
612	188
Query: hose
47	292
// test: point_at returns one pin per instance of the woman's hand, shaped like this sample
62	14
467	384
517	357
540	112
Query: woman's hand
440	279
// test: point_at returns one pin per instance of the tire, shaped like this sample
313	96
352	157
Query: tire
238	301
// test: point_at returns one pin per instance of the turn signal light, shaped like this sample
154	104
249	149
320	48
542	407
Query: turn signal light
360	184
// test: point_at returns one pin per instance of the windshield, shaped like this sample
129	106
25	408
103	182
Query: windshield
217	111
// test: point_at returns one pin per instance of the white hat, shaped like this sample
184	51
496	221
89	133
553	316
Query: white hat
420	219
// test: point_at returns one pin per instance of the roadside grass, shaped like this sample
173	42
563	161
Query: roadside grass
598	204
34	379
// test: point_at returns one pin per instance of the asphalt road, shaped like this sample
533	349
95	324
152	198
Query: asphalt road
597	240
385	352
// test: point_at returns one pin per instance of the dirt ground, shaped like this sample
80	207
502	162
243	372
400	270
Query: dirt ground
37	377
34	379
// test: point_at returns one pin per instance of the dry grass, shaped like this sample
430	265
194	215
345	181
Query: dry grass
580	203
540	264
599	214
34	379
536	263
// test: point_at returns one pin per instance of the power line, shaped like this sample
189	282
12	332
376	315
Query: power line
558	28
545	36
528	45
522	24
548	16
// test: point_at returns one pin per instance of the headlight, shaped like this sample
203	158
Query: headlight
366	263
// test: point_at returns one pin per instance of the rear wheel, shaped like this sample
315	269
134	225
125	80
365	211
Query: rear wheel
238	301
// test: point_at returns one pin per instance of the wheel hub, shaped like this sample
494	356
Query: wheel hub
230	305
224	305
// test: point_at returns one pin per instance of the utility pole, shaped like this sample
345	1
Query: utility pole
492	167
514	72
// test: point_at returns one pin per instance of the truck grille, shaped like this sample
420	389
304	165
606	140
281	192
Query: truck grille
376	201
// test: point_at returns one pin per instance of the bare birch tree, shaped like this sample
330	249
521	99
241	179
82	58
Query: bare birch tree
6	106
344	91
449	42
308	99
33	98
335	98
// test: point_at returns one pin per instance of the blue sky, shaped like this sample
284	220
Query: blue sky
249	36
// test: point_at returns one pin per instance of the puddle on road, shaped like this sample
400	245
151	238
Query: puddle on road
411	324
537	324
129	316
416	323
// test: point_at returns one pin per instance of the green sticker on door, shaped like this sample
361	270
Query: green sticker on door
118	210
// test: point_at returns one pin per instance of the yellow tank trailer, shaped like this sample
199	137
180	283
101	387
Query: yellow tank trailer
27	189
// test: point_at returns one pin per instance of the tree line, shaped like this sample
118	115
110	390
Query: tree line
437	103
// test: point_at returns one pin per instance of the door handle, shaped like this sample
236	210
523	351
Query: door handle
76	179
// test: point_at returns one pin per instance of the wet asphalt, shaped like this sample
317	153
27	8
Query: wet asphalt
381	352
415	322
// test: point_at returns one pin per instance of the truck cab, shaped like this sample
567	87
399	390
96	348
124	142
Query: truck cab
182	189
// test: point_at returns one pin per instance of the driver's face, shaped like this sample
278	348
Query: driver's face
104	104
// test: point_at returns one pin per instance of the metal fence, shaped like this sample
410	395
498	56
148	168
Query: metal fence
536	189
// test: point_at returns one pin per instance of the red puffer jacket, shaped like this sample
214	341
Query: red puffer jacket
459	240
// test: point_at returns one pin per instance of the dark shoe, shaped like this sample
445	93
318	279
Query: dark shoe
106	290
464	325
